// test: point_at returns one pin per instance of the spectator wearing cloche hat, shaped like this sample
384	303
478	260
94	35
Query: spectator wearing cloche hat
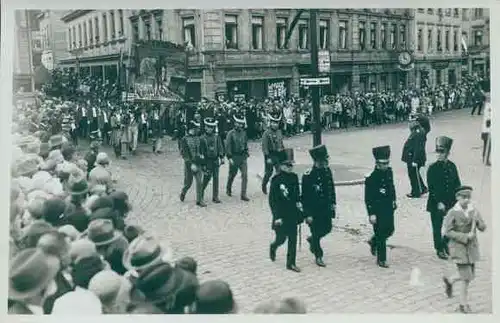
112	290
101	175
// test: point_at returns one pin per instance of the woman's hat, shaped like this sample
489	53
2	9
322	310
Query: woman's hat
79	301
80	187
30	272
102	158
102	232
144	252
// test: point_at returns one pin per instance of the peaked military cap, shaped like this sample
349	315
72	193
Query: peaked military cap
211	122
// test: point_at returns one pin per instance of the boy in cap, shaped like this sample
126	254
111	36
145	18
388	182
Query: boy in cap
213	151
460	226
380	201
443	179
272	143
237	154
319	200
286	208
193	162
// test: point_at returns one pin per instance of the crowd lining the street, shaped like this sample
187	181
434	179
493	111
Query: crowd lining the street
72	249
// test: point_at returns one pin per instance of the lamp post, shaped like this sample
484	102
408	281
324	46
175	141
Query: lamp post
315	93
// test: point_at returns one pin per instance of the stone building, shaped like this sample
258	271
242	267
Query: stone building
54	44
438	49
26	55
97	41
476	34
241	51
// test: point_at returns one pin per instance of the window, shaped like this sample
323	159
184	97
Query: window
342	34
112	22
465	39
440	12
478	13
135	30
147	28
97	33
75	40
421	10
105	27
281	27
91	32
85	43
447	40
383	36
373	35
120	21
439	43
70	39
455	41
420	40
231	27
465	14
159	27
430	11
402	36
362	35
456	12
303	34
80	36
478	37
257	32
189	31
447	12
324	38
392	39
429	39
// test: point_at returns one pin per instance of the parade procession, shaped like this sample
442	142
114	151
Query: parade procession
110	212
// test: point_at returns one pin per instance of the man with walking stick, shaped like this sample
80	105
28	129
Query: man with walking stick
286	208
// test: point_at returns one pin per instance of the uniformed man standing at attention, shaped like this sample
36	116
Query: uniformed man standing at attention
319	200
286	208
272	143
443	181
380	201
237	154
415	157
213	151
193	162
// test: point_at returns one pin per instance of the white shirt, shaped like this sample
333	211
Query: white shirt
105	117
84	112
94	113
143	117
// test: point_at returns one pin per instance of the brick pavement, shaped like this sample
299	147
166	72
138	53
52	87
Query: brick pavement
230	240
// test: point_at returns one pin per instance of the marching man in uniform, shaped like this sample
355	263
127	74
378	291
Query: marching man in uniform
415	157
213	151
380	201
193	162
237	154
319	200
443	181
272	143
286	208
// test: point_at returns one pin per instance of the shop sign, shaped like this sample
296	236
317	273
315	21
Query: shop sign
276	89
324	61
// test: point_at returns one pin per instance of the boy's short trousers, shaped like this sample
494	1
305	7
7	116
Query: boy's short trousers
466	271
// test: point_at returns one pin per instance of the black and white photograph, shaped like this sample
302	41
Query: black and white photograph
249	161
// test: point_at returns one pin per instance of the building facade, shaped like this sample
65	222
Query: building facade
476	35
438	46
54	47
242	52
25	57
97	41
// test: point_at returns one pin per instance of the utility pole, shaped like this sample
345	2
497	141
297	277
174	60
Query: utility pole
313	25
30	50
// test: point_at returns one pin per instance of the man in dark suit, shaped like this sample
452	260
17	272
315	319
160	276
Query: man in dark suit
213	151
319	200
380	201
443	180
286	208
415	157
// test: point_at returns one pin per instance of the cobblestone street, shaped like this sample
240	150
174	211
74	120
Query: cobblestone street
230	240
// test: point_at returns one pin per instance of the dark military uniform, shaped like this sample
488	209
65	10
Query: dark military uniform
237	151
443	180
193	161
284	201
414	152
272	143
213	151
380	201
319	201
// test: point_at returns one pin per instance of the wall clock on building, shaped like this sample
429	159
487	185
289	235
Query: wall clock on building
404	58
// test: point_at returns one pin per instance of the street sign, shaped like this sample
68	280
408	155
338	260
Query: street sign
324	61
315	81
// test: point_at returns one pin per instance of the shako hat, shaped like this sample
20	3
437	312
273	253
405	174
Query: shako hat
443	142
285	156
319	153
381	153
